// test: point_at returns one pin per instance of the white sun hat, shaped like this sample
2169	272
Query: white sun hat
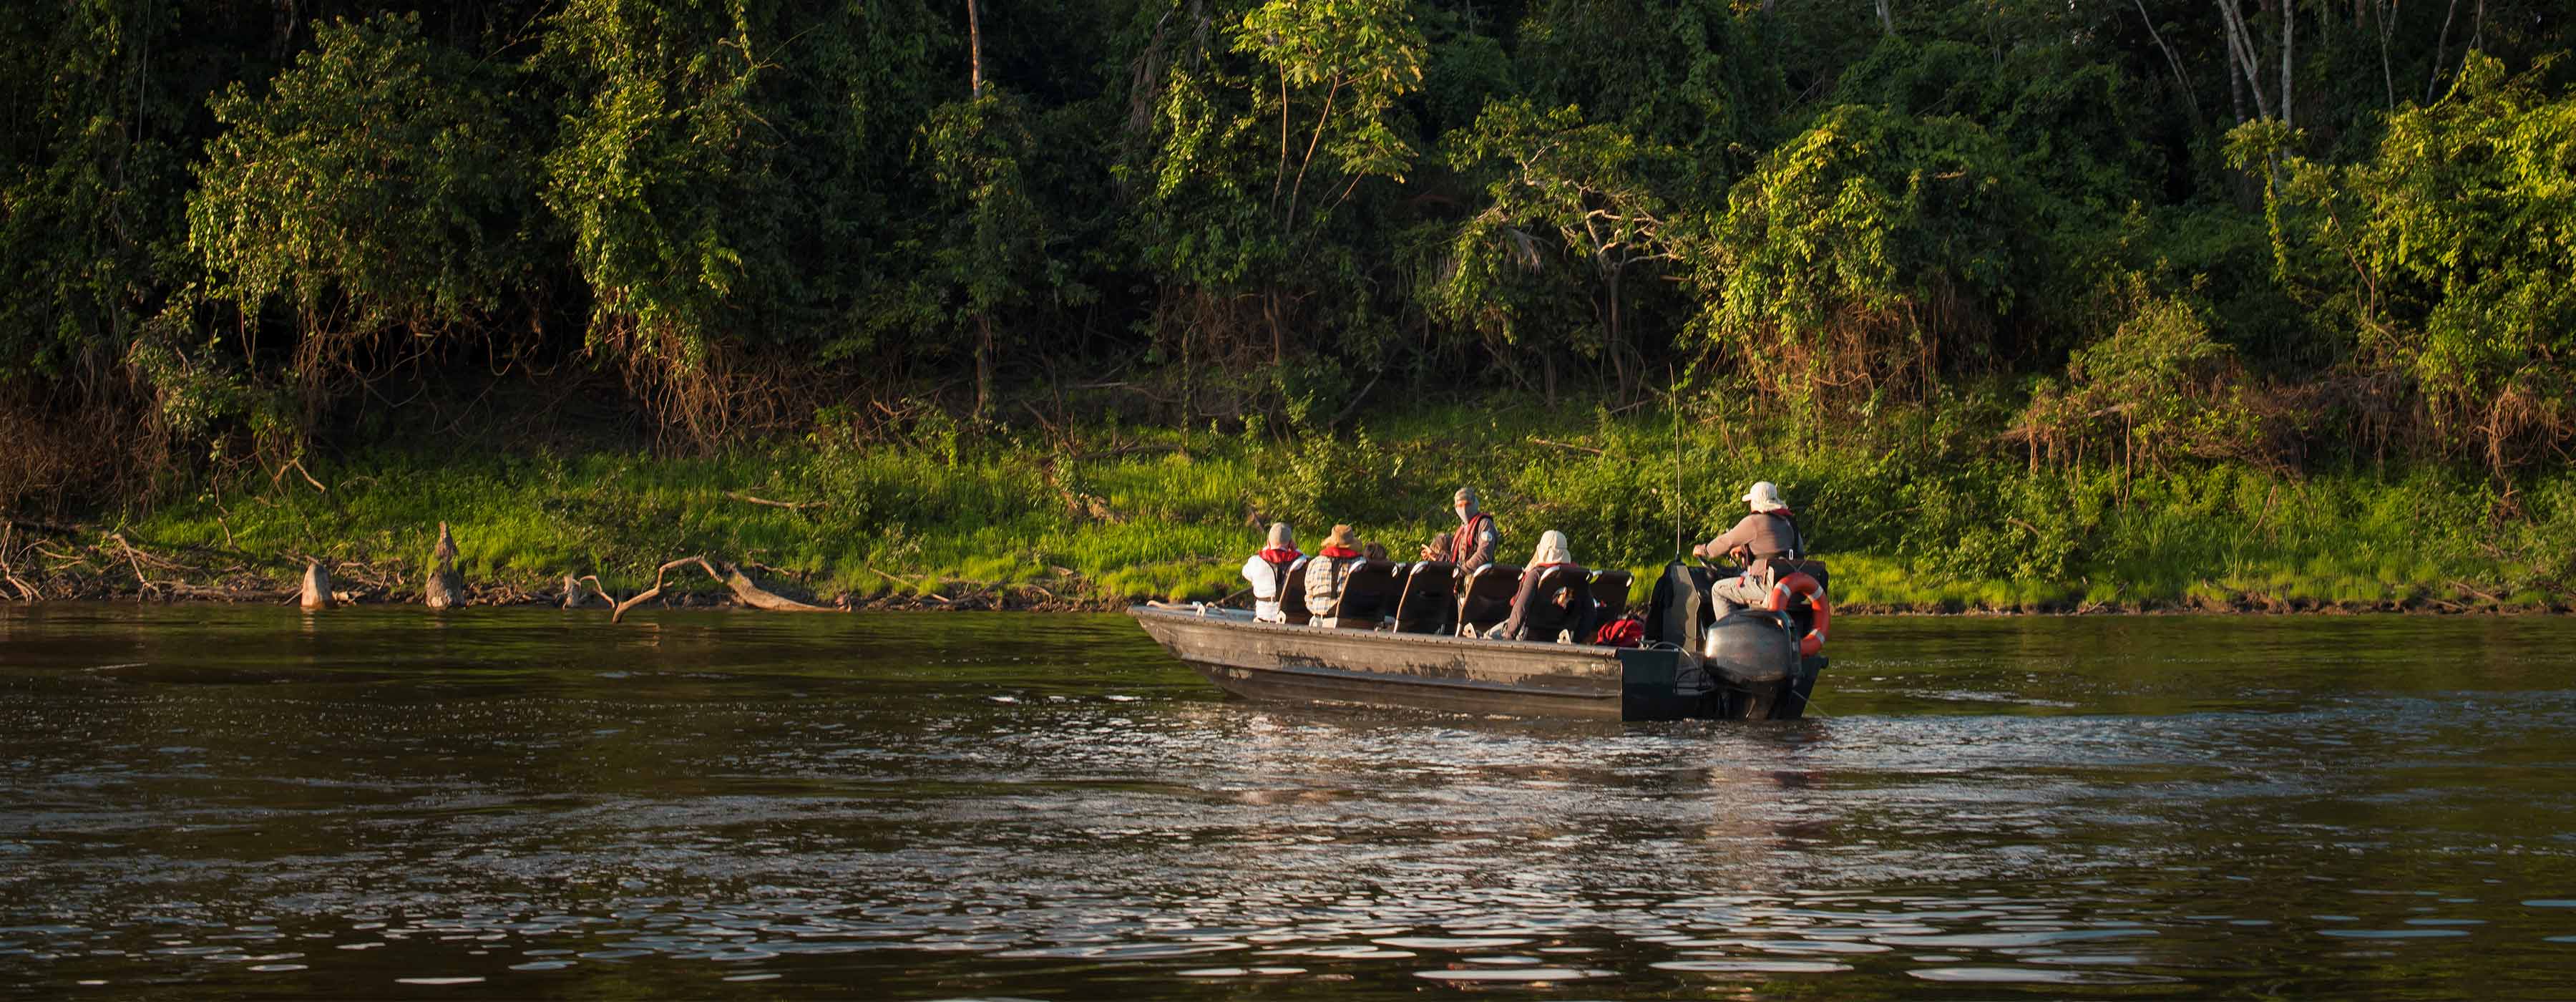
1765	496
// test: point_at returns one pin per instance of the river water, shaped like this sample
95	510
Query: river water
209	802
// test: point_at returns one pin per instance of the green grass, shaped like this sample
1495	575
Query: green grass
1131	514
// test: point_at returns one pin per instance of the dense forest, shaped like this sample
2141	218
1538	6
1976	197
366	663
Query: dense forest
242	238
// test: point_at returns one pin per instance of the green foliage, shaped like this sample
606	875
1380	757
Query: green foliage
238	235
2156	387
92	174
673	234
377	184
1867	256
1564	195
2453	254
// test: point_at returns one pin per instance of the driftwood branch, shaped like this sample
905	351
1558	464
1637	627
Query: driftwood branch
648	594
26	592
298	466
1535	440
901	583
789	505
578	590
744	589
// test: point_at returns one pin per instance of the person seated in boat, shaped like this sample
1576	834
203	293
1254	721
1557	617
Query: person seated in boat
1553	552
1268	572
1475	541
1329	570
1768	531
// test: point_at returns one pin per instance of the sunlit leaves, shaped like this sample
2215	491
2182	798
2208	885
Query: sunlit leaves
2453	252
377	183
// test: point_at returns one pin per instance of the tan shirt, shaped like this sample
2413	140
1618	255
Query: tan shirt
1765	535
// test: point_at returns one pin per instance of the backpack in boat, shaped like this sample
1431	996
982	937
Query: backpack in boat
1624	631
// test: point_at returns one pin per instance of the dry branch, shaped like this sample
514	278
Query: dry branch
744	589
789	505
1535	440
26	592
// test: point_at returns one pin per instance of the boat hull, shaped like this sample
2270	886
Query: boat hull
1454	674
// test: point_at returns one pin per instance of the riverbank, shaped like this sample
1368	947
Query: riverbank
1913	519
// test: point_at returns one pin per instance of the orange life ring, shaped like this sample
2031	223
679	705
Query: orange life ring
1801	583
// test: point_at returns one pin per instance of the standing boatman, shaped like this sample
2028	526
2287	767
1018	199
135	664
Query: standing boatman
1474	542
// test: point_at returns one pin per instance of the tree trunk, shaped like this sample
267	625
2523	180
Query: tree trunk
974	52
1886	18
1278	331
2289	42
983	363
2248	61
1618	339
2181	79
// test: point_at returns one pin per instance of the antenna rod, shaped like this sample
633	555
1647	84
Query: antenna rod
1673	400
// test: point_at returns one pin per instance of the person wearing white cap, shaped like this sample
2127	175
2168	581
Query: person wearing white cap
1769	531
1476	539
1268	572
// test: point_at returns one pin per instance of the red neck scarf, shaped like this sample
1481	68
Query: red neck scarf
1280	556
1340	552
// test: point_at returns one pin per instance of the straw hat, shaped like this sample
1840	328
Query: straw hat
1282	537
1552	549
1343	537
1765	496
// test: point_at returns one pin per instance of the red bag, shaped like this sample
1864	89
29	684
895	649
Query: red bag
1625	631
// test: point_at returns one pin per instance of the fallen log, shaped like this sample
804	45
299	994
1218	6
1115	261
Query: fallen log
757	597
744	589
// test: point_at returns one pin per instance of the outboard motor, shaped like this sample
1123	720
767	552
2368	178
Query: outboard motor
1749	647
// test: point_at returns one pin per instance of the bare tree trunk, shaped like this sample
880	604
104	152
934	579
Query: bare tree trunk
1886	18
2387	79
1278	333
2440	42
2289	41
2235	80
2181	79
2247	61
974	52
983	363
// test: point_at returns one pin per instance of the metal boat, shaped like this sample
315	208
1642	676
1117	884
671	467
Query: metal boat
1746	665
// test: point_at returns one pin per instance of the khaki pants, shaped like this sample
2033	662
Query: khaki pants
1739	593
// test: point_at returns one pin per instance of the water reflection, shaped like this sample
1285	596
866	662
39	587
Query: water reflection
200	802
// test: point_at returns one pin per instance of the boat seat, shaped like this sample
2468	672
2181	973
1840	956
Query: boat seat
1292	597
1368	596
1610	594
1811	568
1559	603
1428	598
1486	599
